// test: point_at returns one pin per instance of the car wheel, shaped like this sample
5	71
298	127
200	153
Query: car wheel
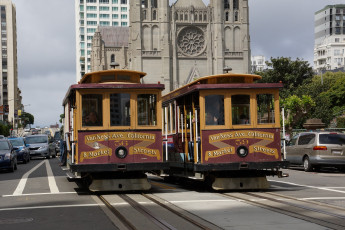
306	165
12	167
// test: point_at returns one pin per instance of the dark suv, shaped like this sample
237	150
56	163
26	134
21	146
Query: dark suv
316	149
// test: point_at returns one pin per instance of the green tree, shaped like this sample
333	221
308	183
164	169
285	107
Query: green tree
291	73
297	111
27	118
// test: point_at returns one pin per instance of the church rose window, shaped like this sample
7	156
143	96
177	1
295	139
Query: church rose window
191	41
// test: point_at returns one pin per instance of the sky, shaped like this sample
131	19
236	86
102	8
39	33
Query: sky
46	45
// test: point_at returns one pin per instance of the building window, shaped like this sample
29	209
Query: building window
227	16
123	16
123	1
115	23
104	23
91	1
123	9
81	8
112	58
115	1
124	23
91	30
104	8
104	1
91	15
104	16
91	8
91	23
115	16
115	9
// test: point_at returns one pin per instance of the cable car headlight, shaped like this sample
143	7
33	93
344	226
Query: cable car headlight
121	152
242	151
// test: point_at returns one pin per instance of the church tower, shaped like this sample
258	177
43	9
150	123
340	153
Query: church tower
187	40
149	43
97	54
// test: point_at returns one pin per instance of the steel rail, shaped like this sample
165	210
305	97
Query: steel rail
121	217
177	213
288	211
159	222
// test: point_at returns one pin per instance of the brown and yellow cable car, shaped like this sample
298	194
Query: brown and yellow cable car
224	129
113	130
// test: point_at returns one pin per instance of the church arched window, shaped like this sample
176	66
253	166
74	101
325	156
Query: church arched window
154	15
205	17
236	16
186	17
154	4
176	16
226	4
200	17
112	58
143	3
226	16
144	15
236	5
181	17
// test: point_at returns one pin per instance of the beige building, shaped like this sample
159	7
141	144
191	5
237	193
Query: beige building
178	43
10	93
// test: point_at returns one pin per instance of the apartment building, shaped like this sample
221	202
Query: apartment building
10	98
329	46
89	15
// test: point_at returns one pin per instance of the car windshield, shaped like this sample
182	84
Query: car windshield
37	139
4	145
336	139
17	142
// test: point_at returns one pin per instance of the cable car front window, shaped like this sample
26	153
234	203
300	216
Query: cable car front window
147	109
240	109
120	109
92	110
265	108
214	110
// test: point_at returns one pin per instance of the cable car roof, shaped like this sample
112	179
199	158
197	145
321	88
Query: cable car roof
113	75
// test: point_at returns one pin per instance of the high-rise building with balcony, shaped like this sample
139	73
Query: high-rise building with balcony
10	94
329	46
89	15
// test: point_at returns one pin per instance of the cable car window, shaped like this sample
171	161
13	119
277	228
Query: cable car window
147	109
265	108
120	109
214	110
240	109
92	110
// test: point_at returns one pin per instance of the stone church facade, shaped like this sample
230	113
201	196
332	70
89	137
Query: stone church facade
178	43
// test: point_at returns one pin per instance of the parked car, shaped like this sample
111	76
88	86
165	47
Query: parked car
57	139
19	145
34	131
8	156
317	149
41	146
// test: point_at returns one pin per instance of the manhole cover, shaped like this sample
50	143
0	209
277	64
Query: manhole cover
15	220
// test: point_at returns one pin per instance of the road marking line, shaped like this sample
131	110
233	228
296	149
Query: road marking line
309	186
40	194
20	188
51	179
53	206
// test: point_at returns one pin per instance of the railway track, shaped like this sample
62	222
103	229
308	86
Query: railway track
146	211
329	216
